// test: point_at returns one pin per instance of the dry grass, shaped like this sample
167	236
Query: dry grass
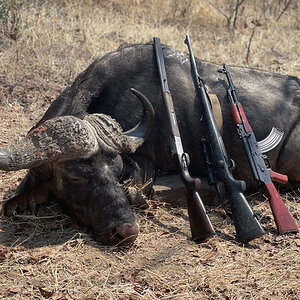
43	46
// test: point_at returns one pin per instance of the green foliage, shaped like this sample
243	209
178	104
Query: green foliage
3	11
10	20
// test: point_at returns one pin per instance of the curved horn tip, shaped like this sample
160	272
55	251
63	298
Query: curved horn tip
142	97
145	101
137	135
136	92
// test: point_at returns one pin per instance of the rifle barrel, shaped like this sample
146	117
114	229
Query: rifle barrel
200	223
246	225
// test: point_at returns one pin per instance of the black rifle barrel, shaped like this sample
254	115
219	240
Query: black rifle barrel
246	225
200	223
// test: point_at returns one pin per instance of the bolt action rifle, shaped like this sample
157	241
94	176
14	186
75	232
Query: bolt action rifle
246	225
258	161
200	223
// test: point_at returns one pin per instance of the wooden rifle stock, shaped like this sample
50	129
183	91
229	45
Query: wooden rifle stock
283	220
264	175
201	227
275	176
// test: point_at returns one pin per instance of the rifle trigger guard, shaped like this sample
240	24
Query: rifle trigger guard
185	160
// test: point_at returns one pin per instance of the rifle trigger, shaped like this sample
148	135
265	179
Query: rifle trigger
271	141
220	198
231	164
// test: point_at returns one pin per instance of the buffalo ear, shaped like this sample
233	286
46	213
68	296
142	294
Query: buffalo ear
27	196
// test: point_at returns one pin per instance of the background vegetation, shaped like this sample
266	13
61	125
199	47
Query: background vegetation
43	46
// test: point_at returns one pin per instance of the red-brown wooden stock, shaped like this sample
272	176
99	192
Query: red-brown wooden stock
239	116
283	220
263	174
278	177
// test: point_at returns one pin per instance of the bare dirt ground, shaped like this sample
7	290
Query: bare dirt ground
43	46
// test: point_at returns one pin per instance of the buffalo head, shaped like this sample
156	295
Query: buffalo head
78	161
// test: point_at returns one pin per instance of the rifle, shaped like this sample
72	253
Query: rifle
246	225
258	161
200	224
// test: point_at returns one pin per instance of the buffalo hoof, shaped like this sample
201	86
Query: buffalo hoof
29	201
135	198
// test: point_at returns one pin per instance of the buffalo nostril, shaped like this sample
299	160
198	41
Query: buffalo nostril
125	234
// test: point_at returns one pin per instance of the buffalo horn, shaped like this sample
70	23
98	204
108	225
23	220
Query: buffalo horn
137	135
59	138
110	132
68	137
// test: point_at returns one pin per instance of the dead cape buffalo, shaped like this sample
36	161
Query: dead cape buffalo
96	135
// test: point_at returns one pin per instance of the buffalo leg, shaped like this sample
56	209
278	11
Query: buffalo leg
27	197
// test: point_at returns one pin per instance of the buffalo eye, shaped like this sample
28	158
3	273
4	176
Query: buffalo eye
76	178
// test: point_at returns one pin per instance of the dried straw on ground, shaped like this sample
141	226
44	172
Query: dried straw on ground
43	46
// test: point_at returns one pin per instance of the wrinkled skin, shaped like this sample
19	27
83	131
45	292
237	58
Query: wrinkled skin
82	180
90	188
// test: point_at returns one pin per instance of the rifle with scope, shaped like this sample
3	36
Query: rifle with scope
220	166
